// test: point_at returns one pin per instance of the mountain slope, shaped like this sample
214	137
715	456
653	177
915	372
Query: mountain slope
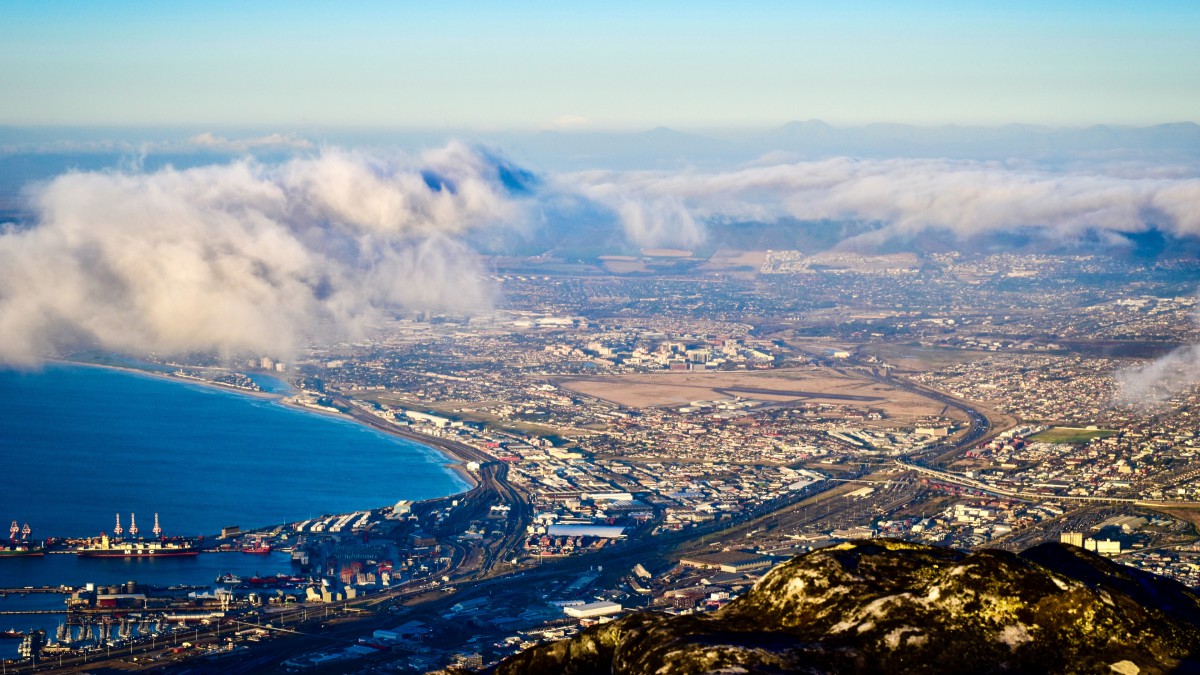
896	607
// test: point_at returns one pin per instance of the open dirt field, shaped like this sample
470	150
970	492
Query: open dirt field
916	358
1070	435
816	385
626	266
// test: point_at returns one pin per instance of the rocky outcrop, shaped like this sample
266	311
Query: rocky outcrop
884	606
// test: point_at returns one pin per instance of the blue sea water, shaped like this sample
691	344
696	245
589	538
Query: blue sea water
79	444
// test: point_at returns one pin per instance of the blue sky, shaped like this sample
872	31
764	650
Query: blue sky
689	65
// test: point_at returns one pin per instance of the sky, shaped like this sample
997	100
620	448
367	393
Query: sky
610	65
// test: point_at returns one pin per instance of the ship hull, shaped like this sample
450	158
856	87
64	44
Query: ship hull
22	554
138	554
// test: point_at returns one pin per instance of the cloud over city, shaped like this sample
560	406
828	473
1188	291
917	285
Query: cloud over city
244	256
1158	380
905	197
262	256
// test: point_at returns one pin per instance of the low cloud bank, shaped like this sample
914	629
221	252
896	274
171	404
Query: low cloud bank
260	257
244	256
905	197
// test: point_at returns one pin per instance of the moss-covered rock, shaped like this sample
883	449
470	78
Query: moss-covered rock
884	606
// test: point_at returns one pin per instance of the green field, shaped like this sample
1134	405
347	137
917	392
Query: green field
1069	435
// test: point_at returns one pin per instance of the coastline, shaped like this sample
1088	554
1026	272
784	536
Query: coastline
457	453
456	461
170	377
458	466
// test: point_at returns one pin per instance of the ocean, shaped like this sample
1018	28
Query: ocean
80	444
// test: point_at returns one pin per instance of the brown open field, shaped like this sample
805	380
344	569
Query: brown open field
912	357
666	253
626	266
816	385
726	259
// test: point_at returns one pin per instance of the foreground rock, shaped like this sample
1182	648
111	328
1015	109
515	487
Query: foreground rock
884	606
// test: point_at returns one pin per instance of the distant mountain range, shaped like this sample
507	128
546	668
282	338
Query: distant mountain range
667	148
814	139
575	226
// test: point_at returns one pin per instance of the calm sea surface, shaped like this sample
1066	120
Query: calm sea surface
79	444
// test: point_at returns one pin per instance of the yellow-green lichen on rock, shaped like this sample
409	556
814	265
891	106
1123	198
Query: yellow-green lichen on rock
896	607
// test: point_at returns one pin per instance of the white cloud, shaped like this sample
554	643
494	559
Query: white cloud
1161	378
570	122
244	256
908	196
276	140
248	256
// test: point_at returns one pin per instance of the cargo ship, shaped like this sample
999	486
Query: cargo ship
20	547
20	550
116	547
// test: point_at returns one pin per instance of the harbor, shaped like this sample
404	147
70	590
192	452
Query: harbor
45	604
59	547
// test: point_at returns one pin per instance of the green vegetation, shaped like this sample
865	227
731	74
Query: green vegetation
1070	435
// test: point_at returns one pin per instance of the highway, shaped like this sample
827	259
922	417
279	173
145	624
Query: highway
979	426
957	479
493	487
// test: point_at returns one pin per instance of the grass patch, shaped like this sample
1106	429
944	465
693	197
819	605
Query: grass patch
1069	435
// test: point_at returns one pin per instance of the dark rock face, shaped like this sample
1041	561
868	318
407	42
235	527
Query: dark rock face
884	606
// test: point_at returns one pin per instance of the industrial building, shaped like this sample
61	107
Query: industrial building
593	609
728	561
